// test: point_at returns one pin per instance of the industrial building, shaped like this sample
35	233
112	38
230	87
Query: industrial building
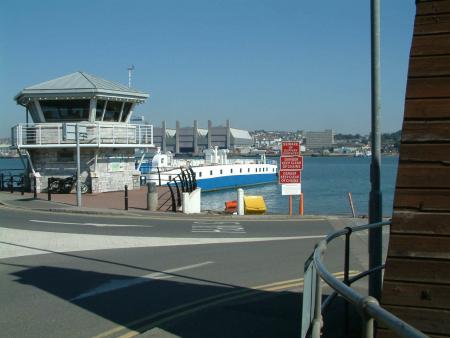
194	140
319	140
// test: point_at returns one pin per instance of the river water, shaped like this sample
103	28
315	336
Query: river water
326	182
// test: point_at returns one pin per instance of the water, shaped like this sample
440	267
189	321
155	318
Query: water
326	182
11	165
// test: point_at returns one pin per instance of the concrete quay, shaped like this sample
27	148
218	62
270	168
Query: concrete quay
113	203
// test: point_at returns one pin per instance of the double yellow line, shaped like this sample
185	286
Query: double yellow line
146	323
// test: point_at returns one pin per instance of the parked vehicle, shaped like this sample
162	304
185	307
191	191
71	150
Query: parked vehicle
66	185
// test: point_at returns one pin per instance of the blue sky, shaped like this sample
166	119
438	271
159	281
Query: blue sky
274	65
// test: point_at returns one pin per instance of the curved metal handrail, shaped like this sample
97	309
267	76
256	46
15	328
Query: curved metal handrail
359	276
369	306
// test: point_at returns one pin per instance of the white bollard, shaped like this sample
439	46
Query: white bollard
240	201
185	203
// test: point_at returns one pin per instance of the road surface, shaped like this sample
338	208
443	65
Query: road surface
80	275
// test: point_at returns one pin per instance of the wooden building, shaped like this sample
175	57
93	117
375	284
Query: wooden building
417	278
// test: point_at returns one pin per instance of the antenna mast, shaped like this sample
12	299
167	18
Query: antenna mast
130	69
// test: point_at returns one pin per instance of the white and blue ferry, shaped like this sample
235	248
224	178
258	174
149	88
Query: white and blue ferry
215	172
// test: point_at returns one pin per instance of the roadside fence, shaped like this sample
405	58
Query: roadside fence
369	308
12	182
187	181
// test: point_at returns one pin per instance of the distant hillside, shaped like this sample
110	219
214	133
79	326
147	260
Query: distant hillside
391	138
386	138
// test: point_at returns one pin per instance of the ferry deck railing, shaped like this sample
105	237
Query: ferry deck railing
367	306
52	135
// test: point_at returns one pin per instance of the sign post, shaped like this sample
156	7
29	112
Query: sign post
73	132
291	165
78	185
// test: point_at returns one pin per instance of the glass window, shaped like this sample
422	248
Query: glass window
126	111
99	110
65	110
113	109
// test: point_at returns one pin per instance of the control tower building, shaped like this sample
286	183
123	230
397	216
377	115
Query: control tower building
102	110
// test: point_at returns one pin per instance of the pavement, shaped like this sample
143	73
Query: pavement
112	203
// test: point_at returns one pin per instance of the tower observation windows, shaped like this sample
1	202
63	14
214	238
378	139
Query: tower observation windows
65	110
112	112
99	109
126	111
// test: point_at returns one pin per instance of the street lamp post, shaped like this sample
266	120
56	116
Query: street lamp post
375	198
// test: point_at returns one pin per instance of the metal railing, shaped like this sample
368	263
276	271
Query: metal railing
94	135
313	308
12	182
188	183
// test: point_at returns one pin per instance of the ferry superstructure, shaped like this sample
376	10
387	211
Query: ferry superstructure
215	172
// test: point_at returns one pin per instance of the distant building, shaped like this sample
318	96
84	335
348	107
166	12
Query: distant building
240	139
194	139
318	140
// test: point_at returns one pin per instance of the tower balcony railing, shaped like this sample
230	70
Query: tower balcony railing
94	135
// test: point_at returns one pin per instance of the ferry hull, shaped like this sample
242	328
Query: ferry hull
235	181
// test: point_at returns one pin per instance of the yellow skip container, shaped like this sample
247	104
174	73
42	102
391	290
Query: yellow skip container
254	205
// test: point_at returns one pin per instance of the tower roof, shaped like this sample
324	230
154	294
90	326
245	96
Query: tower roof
80	84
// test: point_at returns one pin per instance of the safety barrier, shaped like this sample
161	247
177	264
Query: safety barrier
188	183
12	182
92	135
313	308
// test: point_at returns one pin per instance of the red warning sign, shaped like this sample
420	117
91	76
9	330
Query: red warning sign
291	163
290	176
290	148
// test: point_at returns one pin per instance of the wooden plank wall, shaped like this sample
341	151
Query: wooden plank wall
417	278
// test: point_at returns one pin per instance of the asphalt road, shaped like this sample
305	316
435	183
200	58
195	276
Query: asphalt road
109	276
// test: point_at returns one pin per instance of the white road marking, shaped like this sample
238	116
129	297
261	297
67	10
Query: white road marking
116	284
216	222
224	229
91	224
18	242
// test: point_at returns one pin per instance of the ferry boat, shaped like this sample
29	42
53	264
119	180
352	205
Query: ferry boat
214	172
